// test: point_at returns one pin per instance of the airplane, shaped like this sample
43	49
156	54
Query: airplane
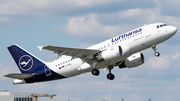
122	51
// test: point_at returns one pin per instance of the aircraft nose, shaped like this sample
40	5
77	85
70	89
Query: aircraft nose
173	30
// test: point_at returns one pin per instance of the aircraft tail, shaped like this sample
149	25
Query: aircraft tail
26	62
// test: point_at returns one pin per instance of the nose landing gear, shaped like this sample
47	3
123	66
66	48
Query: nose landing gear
157	54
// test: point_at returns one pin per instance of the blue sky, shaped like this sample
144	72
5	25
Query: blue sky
82	23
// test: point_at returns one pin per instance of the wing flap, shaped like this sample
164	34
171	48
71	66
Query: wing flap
19	76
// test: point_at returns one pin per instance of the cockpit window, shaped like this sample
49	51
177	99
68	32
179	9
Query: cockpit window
161	25
158	26
165	25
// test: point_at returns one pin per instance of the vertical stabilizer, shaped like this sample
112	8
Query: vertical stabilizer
26	62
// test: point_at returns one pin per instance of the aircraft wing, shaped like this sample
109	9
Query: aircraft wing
19	76
84	54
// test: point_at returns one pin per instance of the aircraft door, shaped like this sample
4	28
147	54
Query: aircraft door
147	31
47	71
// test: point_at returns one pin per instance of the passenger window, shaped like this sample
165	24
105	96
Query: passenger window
161	25
158	26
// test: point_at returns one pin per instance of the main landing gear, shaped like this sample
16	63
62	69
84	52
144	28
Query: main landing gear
157	54
110	76
95	72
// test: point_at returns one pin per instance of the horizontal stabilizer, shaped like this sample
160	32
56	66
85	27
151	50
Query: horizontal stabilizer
19	76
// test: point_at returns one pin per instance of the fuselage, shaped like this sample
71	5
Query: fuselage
137	40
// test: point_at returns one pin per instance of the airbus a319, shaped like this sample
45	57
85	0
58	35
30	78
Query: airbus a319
122	51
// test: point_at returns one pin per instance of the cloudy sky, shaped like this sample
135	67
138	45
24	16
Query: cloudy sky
82	23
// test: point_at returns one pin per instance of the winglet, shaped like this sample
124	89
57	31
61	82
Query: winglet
40	47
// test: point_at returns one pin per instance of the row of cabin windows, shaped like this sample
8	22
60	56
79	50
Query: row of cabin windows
65	62
121	40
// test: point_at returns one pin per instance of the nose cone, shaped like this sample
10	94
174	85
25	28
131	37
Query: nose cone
172	30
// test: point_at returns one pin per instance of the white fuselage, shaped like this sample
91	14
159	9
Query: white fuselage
137	40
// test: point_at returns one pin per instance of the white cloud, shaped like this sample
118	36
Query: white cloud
88	3
82	26
84	45
4	19
163	62
175	57
160	63
135	96
108	96
18	10
91	25
88	26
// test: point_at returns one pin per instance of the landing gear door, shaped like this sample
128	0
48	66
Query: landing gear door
47	71
147	31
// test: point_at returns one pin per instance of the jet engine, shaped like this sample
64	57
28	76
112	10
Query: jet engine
114	52
133	61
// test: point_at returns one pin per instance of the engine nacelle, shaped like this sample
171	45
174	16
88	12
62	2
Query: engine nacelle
114	52
133	61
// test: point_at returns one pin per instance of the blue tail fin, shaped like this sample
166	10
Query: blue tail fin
26	62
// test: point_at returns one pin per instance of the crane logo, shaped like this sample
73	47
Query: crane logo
25	62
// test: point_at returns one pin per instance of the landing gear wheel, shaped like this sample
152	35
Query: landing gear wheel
110	76
95	72
157	54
